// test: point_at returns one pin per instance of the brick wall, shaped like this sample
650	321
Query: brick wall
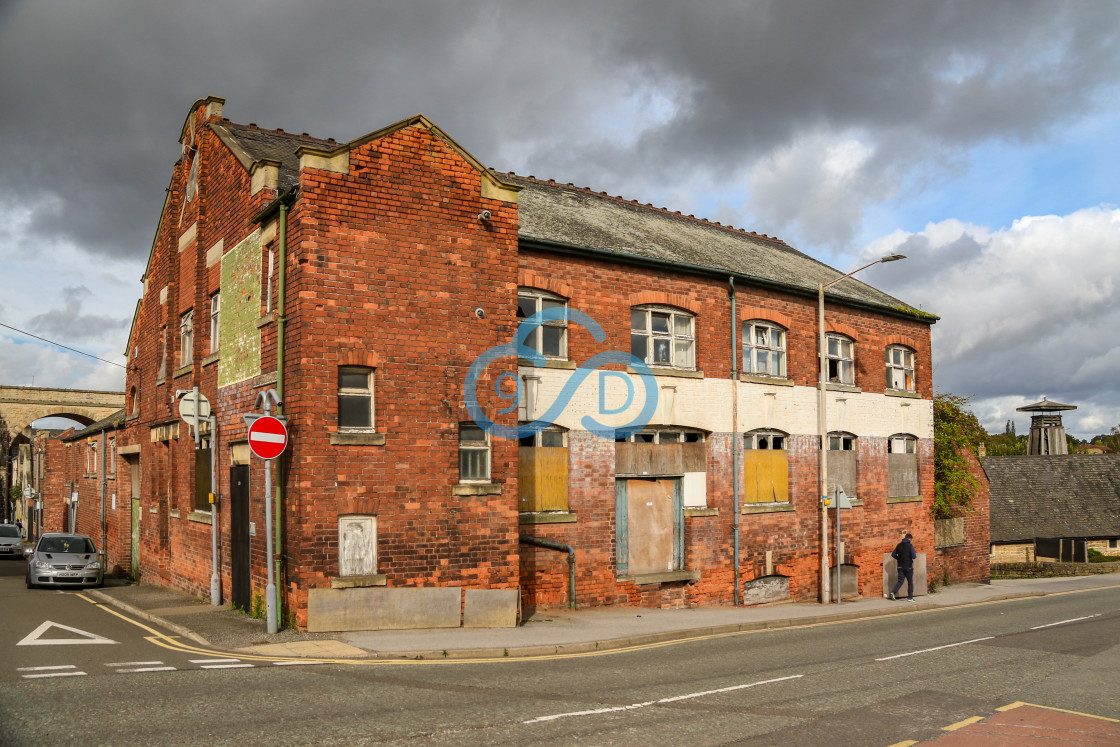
969	562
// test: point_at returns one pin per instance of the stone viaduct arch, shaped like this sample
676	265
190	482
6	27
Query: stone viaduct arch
20	406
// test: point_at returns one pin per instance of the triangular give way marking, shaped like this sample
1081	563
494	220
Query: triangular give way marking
34	638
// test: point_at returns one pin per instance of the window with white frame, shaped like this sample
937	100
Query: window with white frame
215	314
474	454
186	339
550	437
765	440
112	456
91	458
764	349
840	357
900	368
662	336
550	339
841	442
664	436
355	398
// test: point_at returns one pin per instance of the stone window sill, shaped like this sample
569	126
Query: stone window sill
904	499
174	513
202	517
902	393
678	373
266	320
183	371
355	582
546	517
212	358
767	508
357	439
662	578
843	388
753	379
701	512
566	365
476	489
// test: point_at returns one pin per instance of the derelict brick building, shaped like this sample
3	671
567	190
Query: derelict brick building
373	285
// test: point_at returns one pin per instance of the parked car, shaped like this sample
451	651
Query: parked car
63	560
11	545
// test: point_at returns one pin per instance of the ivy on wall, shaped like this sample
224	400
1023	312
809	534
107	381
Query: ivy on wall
956	433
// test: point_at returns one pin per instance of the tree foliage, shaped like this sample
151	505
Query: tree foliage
956	435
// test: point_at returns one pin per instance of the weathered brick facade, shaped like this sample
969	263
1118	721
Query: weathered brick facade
389	264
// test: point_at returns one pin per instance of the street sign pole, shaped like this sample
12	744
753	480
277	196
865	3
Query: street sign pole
268	444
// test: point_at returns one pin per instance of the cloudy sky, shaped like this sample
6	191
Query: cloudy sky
980	139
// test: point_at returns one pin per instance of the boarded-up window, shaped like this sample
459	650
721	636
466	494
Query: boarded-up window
765	467
651	537
202	479
842	463
902	467
653	459
542	478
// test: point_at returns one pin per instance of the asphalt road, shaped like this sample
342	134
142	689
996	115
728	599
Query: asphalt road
878	681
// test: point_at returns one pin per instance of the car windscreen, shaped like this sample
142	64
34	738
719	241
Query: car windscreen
66	544
8	530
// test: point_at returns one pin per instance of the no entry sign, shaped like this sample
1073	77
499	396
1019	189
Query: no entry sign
267	437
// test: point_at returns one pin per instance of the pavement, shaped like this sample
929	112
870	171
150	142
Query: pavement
543	632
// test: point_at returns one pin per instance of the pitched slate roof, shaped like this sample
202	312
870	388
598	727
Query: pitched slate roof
251	144
1069	495
576	217
110	423
565	216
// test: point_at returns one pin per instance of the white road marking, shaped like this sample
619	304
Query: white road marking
936	648
221	663
296	663
33	638
128	667
647	703
65	670
1063	622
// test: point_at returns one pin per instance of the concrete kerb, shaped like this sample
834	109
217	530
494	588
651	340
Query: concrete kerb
148	617
603	645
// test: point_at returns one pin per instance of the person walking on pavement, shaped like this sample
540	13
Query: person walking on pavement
905	554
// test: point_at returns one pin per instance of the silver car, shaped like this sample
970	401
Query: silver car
11	546
63	560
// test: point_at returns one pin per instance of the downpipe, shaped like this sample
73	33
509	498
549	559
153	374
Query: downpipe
526	540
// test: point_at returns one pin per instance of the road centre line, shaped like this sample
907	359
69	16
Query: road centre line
214	661
134	664
635	706
936	648
1063	622
45	669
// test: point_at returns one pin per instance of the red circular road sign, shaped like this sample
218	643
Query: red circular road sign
268	437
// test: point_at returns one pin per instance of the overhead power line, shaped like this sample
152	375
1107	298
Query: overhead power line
59	344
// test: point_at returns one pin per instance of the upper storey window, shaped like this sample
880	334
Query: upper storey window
840	357
662	336
764	349
550	339
900	368
186	338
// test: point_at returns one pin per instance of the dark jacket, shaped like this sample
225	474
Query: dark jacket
905	554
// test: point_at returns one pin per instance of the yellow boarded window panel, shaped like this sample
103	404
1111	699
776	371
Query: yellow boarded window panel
765	476
542	478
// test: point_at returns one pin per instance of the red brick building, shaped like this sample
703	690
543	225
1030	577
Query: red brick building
377	286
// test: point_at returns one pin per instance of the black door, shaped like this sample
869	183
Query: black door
241	593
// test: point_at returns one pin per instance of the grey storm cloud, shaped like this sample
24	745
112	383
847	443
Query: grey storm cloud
96	93
69	323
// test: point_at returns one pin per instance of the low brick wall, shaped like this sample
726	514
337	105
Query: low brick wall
1036	570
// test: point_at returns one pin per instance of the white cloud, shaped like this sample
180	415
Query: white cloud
1030	309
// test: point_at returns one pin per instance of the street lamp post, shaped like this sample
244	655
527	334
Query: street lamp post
822	422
